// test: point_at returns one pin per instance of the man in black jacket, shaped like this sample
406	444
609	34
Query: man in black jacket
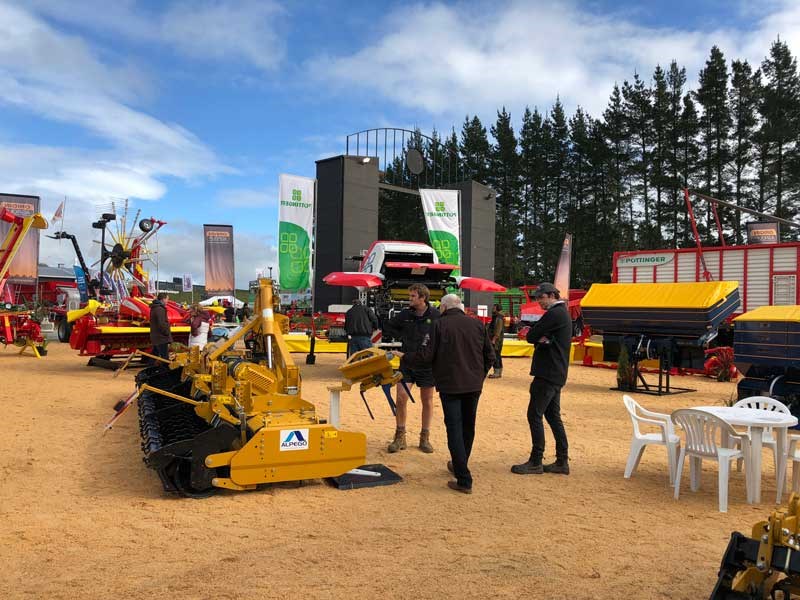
359	323
410	326
552	336
160	332
461	355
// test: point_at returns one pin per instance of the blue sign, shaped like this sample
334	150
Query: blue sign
80	279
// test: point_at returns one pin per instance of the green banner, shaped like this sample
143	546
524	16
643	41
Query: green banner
445	245
294	251
295	225
441	208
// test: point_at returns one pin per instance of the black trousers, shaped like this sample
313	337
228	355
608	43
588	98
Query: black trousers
498	353
546	402
161	350
459	419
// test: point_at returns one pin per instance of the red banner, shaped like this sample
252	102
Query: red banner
220	279
25	265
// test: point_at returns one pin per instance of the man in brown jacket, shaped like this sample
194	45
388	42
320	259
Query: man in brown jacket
461	355
160	333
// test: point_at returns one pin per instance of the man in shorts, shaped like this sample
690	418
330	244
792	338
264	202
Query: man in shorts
412	326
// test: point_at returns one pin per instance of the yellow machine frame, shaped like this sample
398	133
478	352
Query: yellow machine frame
258	394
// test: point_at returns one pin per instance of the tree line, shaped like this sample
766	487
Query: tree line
616	182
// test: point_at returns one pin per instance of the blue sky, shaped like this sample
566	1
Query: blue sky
192	109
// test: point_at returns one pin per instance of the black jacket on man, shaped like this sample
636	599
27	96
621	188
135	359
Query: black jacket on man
160	332
410	328
360	320
552	337
460	352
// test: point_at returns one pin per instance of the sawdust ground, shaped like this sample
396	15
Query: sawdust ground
81	516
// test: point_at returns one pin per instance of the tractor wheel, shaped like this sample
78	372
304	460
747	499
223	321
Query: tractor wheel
64	330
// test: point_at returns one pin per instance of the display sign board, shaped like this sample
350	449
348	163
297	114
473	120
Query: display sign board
763	233
25	264
219	259
656	259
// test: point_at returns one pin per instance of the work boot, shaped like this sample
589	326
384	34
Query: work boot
399	442
561	466
497	374
425	441
528	468
454	485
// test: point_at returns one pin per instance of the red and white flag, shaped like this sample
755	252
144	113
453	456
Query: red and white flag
59	214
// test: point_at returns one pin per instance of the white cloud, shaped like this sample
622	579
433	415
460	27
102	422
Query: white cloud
449	61
247	31
249	198
244	30
181	251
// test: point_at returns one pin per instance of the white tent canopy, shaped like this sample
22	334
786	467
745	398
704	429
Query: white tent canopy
218	299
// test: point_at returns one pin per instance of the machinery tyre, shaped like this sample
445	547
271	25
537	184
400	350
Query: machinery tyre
64	330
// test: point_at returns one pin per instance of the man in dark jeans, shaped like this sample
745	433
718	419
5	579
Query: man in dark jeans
461	355
359	323
551	335
160	332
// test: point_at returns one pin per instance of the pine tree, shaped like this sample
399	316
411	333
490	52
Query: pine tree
639	123
780	110
715	124
533	142
689	158
557	172
451	160
618	142
504	178
661	121
676	79
474	149
743	101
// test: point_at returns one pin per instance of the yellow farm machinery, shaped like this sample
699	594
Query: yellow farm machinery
235	418
767	564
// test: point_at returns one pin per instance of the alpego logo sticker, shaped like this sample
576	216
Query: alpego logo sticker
294	439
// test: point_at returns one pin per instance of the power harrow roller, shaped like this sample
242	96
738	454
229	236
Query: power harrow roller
235	418
168	429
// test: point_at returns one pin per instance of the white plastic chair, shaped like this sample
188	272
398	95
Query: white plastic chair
767	439
704	439
665	437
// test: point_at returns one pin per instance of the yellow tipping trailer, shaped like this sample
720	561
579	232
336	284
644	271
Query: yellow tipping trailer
671	309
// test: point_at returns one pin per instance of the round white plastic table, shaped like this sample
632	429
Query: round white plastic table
756	420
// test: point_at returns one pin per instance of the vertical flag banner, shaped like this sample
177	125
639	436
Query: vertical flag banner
563	268
220	279
295	229
441	217
187	282
80	279
25	265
